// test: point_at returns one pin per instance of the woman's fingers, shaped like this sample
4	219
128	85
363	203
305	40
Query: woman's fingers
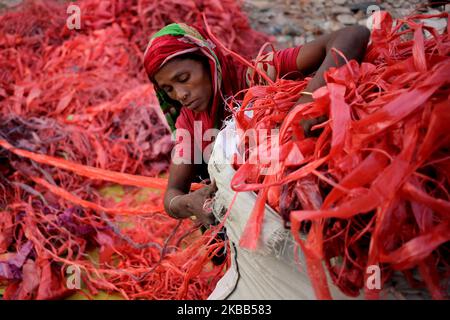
212	189
214	185
209	190
200	208
205	218
307	125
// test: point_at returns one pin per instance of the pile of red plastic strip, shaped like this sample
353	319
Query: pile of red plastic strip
371	190
77	113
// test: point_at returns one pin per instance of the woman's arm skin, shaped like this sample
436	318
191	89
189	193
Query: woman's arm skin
317	55
187	204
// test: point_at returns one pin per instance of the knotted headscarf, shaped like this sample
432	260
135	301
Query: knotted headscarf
179	39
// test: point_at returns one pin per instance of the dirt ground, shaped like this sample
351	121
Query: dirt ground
294	22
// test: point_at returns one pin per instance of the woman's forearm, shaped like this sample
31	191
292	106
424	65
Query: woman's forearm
179	184
184	205
176	204
351	42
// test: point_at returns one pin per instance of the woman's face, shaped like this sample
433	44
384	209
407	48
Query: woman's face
187	81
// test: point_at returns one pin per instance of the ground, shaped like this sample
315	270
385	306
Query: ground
294	22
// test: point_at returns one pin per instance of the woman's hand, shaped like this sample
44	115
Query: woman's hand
192	204
307	124
195	202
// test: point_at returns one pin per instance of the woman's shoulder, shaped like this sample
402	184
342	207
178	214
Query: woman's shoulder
276	63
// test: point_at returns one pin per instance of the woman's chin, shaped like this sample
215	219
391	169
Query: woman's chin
199	109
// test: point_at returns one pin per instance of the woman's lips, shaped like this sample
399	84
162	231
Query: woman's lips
193	105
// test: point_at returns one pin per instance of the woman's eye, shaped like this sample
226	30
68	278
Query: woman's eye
183	78
168	89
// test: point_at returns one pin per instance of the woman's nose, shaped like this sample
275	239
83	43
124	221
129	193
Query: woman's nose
182	95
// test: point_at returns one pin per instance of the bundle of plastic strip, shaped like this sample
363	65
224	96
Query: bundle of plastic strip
371	191
78	116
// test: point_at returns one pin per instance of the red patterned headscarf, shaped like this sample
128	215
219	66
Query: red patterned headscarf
179	39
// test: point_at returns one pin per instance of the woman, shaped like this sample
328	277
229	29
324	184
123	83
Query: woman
192	77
